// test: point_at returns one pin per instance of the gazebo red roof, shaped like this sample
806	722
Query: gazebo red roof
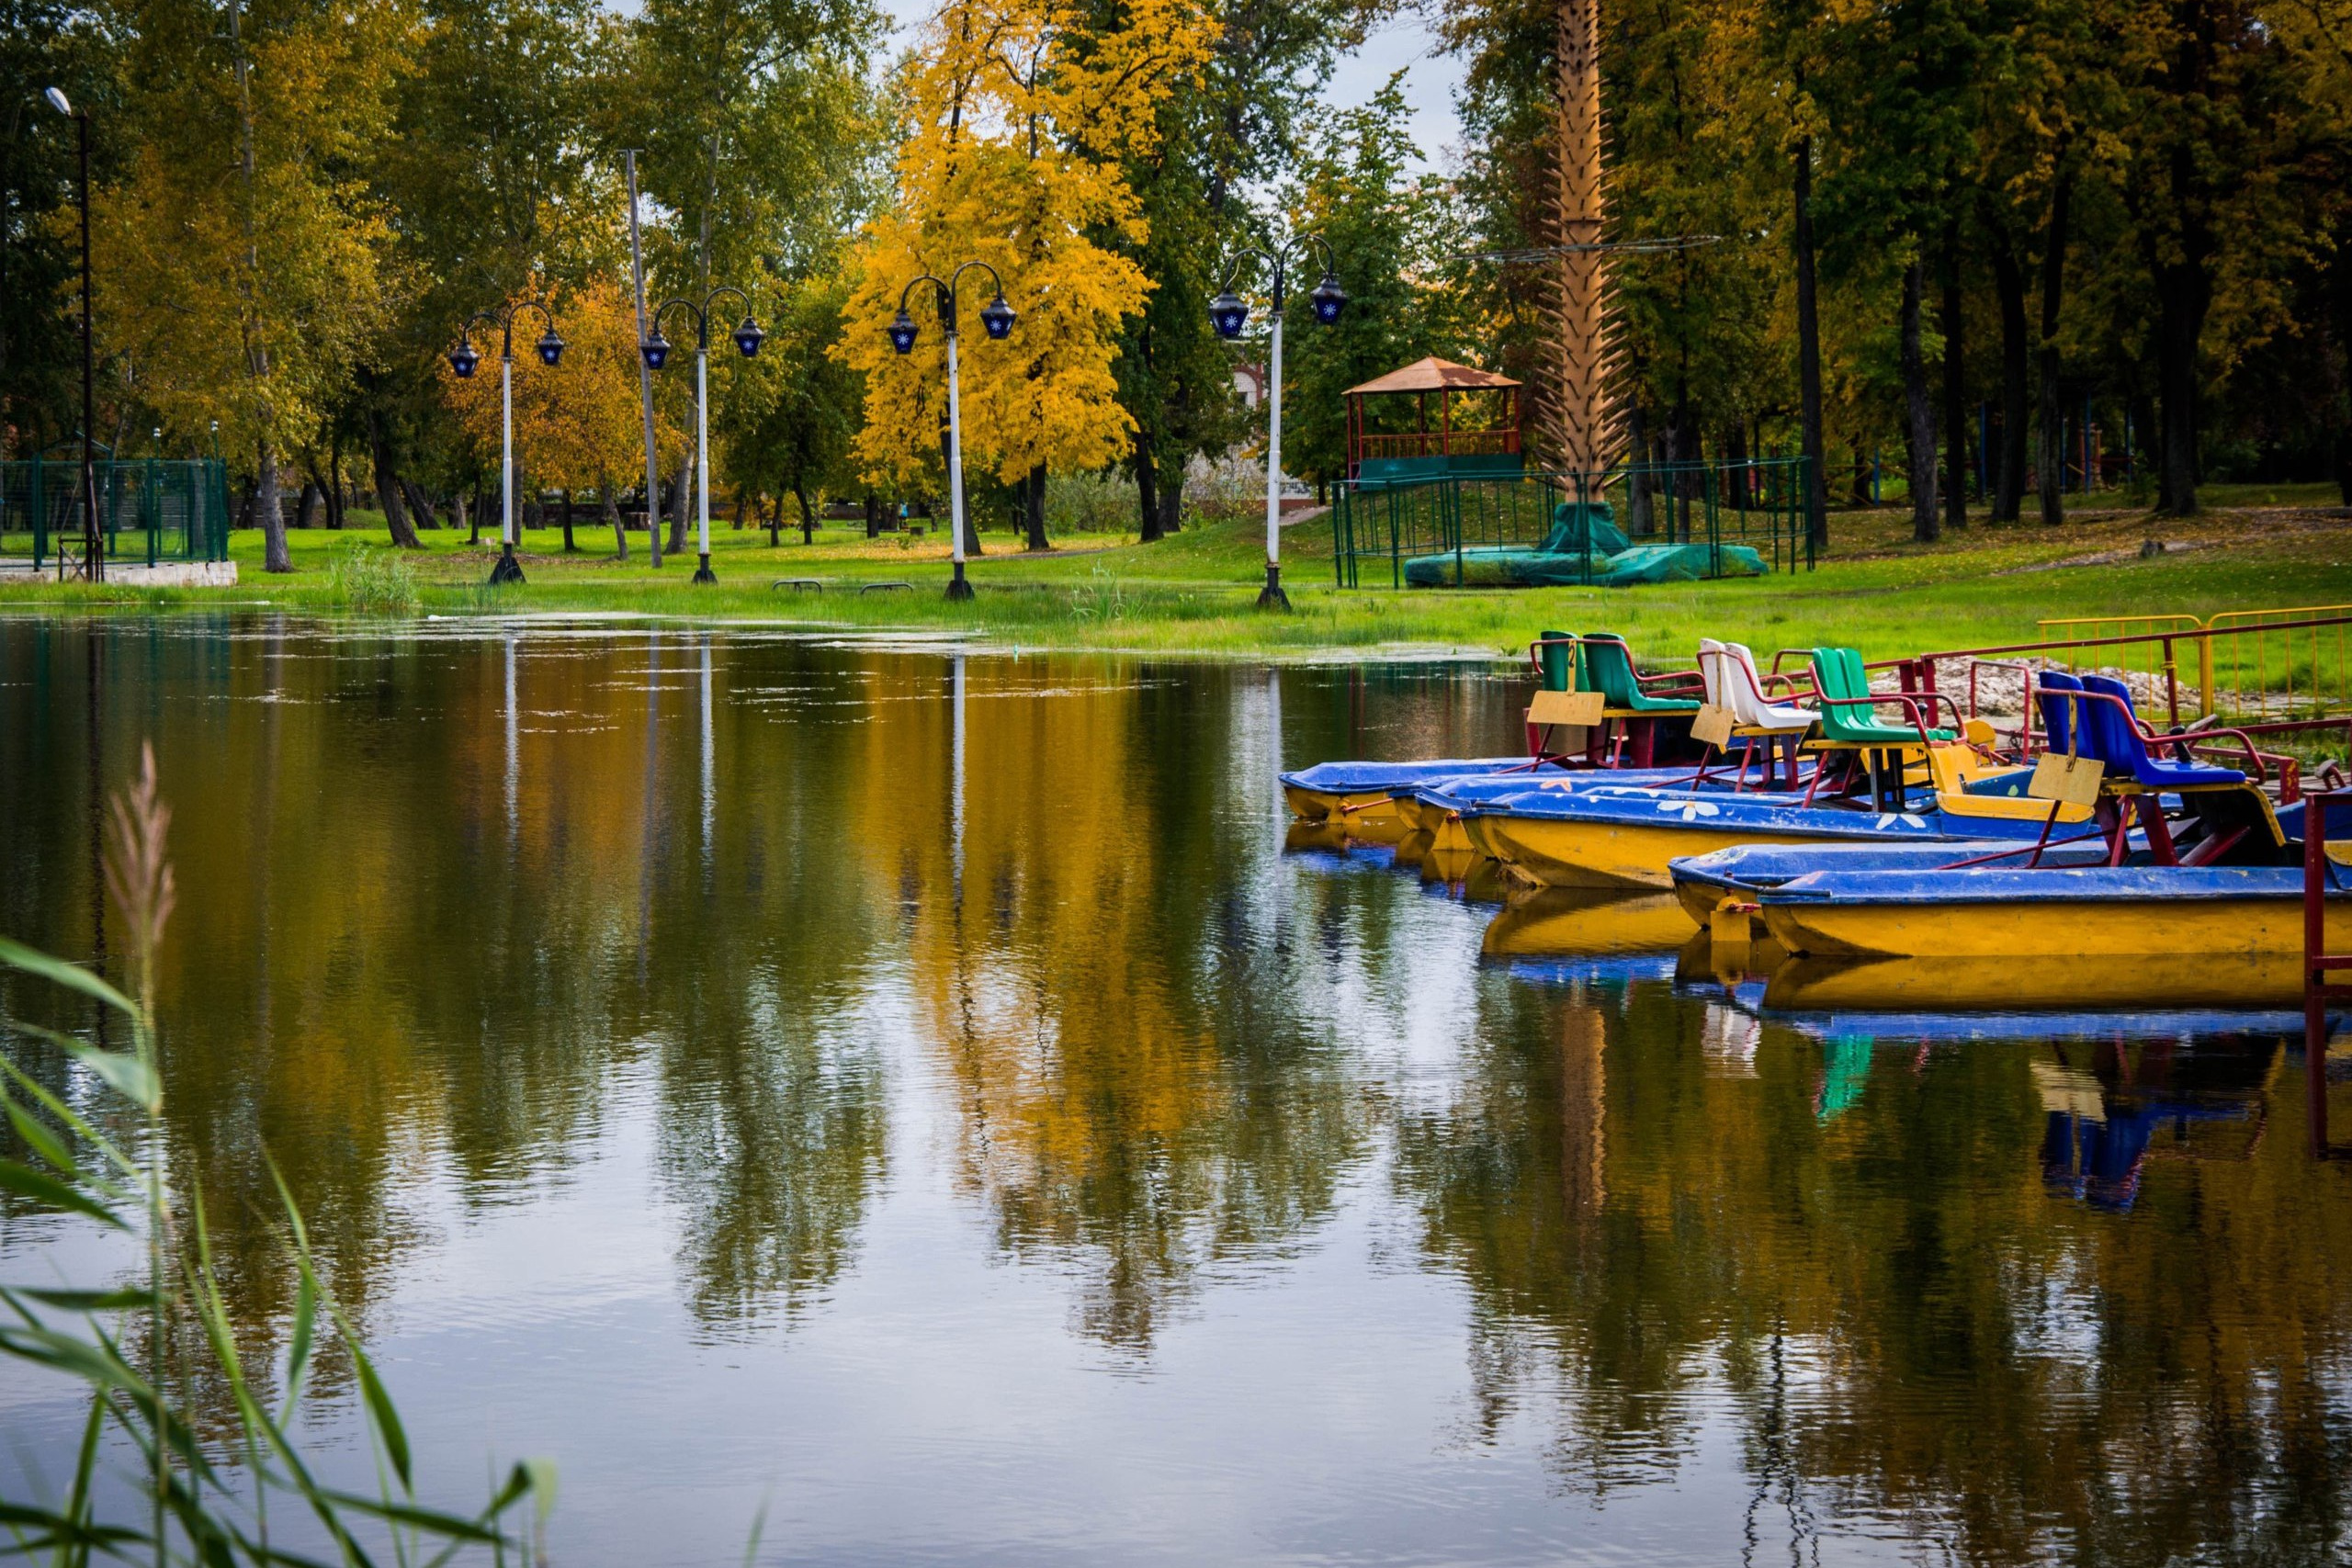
1432	375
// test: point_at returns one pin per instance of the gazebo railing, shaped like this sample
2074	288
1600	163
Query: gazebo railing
1439	443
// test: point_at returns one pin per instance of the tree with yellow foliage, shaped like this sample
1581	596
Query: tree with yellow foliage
1018	112
576	425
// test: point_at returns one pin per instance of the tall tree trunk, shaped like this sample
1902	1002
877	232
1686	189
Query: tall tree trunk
273	519
1147	491
1925	525
2184	293
334	486
808	512
1033	507
1816	499
2049	443
388	486
1637	483
2008	472
306	510
1955	388
421	508
775	522
1171	501
570	548
613	515
682	502
741	499
873	515
473	520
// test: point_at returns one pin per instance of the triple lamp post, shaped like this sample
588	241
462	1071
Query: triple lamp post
656	350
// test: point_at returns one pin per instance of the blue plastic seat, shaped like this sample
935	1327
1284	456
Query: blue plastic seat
2058	713
2122	750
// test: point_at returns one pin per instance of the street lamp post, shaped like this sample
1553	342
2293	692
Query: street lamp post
1228	315
997	317
94	565
462	359
656	350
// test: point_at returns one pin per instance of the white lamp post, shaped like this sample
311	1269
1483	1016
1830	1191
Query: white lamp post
656	350
1228	315
462	360
997	317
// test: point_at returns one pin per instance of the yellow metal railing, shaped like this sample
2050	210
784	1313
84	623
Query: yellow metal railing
2247	663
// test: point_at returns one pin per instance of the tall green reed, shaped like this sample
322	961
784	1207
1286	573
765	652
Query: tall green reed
203	1499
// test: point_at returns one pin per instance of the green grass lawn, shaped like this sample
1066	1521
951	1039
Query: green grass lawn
2255	548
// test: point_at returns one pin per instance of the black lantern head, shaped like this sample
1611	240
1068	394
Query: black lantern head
1227	314
1328	297
462	358
551	348
748	337
997	317
656	349
902	333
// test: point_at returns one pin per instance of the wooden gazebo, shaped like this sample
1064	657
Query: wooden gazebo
1427	449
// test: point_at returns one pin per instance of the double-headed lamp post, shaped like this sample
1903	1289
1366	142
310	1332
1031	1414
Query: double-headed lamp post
997	317
462	359
1228	315
656	350
93	565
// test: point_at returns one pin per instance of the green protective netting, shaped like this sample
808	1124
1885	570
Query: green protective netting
1680	563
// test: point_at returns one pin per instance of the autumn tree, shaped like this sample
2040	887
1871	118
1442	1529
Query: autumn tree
1017	119
242	252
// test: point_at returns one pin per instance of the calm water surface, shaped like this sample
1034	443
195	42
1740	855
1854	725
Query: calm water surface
919	1095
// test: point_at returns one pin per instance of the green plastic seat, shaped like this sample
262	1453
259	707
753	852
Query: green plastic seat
1559	663
1838	672
1606	665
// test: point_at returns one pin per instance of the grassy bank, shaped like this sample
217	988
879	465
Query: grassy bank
1195	593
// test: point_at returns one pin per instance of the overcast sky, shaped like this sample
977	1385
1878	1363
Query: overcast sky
1431	77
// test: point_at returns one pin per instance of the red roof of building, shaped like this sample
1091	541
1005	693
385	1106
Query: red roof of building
1432	375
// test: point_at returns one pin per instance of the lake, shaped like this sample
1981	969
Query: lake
915	1101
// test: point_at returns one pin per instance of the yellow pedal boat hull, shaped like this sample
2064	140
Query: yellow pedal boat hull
2147	983
2214	930
1573	852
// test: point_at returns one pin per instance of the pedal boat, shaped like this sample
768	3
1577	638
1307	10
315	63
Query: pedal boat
1631	837
1361	794
1742	873
2224	884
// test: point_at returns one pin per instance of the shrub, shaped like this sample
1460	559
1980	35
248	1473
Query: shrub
371	581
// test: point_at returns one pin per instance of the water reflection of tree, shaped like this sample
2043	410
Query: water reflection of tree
1908	1326
379	971
1132	1095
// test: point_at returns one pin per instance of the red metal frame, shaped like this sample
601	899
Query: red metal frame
2319	875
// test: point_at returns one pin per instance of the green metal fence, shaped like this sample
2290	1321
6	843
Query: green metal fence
158	510
1757	502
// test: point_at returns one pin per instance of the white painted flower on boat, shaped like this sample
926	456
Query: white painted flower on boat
1690	809
1891	818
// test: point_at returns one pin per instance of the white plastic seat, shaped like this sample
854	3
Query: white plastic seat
1743	690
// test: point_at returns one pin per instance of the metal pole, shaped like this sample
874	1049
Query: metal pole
94	563
958	587
702	446
644	377
507	569
1272	596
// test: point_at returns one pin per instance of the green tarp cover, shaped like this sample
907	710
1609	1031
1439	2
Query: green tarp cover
1504	566
1507	568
